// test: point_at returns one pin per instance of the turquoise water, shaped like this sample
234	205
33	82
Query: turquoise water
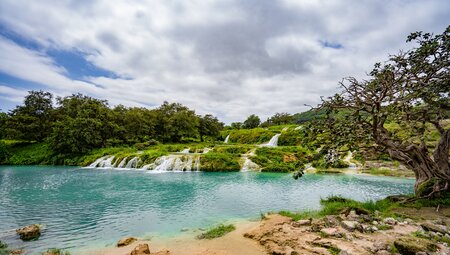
92	208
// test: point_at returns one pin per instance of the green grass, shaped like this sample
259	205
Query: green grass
299	215
216	232
219	162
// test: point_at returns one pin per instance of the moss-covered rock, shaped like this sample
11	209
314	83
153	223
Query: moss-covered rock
411	245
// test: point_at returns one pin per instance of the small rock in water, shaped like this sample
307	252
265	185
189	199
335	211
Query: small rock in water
29	233
390	221
184	229
126	241
141	249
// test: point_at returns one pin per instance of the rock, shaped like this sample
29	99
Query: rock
379	245
141	249
301	223
329	231
428	226
29	233
184	229
342	252
352	216
412	245
126	241
16	252
409	221
421	253
163	252
289	158
390	221
350	225
383	252
331	221
375	222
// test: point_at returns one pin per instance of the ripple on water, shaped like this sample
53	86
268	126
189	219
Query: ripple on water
89	207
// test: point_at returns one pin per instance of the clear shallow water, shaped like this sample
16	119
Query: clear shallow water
92	208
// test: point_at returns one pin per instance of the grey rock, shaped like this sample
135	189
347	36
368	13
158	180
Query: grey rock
390	221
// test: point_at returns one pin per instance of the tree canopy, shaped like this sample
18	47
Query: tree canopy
412	90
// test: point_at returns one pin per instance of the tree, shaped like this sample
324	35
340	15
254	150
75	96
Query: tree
236	125
281	118
83	123
175	121
411	90
32	121
252	121
209	126
3	119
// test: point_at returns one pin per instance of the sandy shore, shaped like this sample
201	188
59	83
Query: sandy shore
187	244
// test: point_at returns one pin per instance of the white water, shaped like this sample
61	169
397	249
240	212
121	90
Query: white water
206	150
298	128
175	163
249	165
273	141
226	139
106	162
133	163
185	150
122	163
348	159
96	162
285	129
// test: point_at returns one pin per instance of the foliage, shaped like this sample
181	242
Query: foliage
209	126
281	118
252	121
4	152
219	162
281	159
251	136
216	232
291	137
410	90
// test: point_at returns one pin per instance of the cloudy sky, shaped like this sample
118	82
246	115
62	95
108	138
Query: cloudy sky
231	58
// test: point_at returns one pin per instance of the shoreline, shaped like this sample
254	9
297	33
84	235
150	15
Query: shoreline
187	243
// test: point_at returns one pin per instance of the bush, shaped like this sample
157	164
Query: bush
216	232
219	162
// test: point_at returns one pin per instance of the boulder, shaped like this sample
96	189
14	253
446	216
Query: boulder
350	225
16	252
412	245
390	221
126	241
331	220
30	232
141	249
383	252
330	231
428	226
300	223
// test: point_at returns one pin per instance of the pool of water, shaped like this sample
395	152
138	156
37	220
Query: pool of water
93	208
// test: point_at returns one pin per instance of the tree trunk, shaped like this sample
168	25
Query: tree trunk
432	174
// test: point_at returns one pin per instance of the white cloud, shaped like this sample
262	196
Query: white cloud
229	58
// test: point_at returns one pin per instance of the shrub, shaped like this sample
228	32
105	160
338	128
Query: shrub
216	232
219	162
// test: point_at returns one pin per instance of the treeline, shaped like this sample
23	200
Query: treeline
77	124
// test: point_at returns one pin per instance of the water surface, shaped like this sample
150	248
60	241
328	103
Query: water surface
93	208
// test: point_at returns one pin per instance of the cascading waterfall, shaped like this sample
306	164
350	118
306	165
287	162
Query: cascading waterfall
97	161
106	163
122	163
249	165
348	159
133	163
185	151
273	141
226	139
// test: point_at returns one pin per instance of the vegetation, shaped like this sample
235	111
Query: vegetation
216	232
410	90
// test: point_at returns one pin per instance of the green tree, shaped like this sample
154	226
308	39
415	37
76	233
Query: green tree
282	118
209	126
412	90
3	119
175	121
252	121
236	125
84	123
32	121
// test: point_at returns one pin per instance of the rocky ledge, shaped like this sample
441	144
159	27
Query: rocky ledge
352	233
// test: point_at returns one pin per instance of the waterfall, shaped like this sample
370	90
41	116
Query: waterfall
273	141
206	150
106	162
133	163
285	129
226	139
348	159
249	165
122	163
97	161
185	151
298	128
175	163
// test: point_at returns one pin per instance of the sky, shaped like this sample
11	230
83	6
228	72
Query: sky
230	58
